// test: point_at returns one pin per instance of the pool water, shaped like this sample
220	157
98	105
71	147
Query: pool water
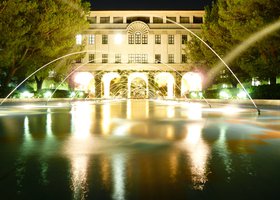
138	149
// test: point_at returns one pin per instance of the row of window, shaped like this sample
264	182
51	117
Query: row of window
156	20
135	58
136	38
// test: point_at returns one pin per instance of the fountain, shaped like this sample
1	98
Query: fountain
137	148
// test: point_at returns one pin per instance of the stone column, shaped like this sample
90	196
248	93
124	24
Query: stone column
123	82
178	78
151	82
98	84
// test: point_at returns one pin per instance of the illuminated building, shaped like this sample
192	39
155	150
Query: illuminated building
140	45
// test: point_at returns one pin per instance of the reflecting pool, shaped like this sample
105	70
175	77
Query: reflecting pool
138	149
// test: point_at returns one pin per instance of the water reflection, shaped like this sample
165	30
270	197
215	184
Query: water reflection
78	147
168	154
106	118
119	176
223	151
198	150
49	124
27	135
79	173
81	120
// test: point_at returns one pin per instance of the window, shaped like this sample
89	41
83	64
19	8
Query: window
104	58
173	19
170	58
170	39
197	20
184	39
130	39
157	58
104	20
91	39
137	38
157	20
117	20
157	39
79	39
184	58
91	58
117	58
137	58
91	20
184	20
142	19
144	39
104	39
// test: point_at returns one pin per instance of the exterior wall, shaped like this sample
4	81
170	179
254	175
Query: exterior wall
145	23
163	29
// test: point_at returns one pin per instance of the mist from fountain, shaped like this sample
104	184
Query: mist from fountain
251	40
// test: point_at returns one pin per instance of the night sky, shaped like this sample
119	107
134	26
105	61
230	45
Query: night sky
149	4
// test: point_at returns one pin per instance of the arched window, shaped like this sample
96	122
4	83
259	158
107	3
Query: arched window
137	38
138	33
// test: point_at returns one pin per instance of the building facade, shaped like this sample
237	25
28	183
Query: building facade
137	53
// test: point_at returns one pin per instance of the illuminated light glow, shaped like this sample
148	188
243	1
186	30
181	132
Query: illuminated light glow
81	120
221	144
79	39
170	111
123	130
166	78
106	118
83	80
119	176
242	95
72	94
255	82
49	123
229	110
47	94
118	39
224	86
28	106
170	132
224	94
79	165
26	94
81	94
194	111
26	129
194	134
198	151
191	82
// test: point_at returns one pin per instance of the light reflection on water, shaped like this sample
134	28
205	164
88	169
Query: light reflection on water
133	149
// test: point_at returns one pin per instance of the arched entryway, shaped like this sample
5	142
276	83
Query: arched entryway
84	81
165	79
106	80
191	82
137	85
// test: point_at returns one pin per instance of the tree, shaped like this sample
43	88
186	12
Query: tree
243	18
34	33
230	22
220	40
